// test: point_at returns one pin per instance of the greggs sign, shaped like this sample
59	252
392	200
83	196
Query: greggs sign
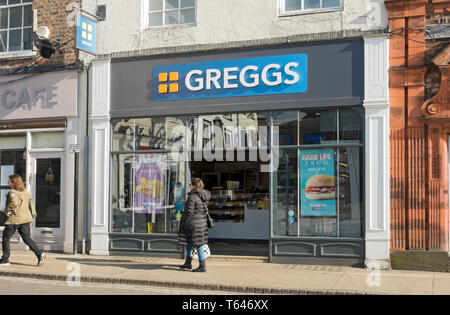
231	78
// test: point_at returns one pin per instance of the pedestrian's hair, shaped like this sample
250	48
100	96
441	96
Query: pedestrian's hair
197	183
17	181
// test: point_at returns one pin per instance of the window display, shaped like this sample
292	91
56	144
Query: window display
315	190
144	198
327	179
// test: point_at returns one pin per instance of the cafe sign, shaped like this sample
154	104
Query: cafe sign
39	96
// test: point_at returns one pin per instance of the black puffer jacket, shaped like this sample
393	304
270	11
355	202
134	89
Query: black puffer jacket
193	226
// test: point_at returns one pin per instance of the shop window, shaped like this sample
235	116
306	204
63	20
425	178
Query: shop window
161	133
351	124
44	140
230	131
11	162
148	193
287	123
317	187
289	7
15	25
162	13
318	126
285	194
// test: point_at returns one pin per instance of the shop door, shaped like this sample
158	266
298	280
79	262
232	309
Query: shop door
47	194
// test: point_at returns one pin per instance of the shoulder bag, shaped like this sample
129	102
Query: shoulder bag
209	220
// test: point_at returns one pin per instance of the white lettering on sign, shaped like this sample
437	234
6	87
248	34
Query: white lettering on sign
27	99
197	80
312	157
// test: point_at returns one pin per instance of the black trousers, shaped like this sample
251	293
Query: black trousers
24	232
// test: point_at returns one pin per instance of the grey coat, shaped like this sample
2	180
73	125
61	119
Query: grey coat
193	226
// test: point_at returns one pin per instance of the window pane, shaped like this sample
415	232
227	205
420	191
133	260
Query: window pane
171	4
13	1
285	196
351	124
350	193
2	2
48	193
27	39
292	5
3	41
187	3
148	133
27	16
318	126
15	18
330	3
4	18
312	4
156	5
13	142
156	19
27	1
15	40
42	140
147	189
287	123
171	17
12	162
187	16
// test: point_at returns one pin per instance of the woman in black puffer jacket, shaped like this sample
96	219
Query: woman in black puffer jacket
193	226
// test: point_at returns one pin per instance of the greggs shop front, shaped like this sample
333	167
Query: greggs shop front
276	134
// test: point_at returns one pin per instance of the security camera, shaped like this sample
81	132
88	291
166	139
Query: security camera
42	42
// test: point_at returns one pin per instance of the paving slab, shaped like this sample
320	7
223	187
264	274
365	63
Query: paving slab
229	276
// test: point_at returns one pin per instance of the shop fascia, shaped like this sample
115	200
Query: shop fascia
29	98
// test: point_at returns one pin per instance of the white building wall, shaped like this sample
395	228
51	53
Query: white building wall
223	21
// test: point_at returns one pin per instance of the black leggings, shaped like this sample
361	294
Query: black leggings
24	232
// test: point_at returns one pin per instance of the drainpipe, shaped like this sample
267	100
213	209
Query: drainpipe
86	168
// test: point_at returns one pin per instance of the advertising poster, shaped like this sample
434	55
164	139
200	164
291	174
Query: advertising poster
317	182
150	183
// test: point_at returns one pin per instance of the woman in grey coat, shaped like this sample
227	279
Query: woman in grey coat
193	226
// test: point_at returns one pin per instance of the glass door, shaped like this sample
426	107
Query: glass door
46	179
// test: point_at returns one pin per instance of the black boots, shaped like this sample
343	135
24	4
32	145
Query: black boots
201	267
187	263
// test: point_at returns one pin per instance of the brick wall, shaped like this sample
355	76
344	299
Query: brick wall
51	13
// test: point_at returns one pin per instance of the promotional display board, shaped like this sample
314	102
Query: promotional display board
317	182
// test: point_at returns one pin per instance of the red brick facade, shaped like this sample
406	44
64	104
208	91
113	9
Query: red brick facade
51	13
419	126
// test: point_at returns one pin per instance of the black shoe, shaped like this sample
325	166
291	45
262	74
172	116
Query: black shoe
41	260
201	267
4	263
187	263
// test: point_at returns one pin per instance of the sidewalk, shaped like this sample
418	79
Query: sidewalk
231	276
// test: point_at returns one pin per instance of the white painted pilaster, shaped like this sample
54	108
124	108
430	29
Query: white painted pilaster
376	104
100	161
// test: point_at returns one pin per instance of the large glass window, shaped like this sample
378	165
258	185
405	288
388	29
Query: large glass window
15	25
317	187
146	189
12	161
313	190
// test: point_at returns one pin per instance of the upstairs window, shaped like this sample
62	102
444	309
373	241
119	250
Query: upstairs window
15	25
309	6
163	13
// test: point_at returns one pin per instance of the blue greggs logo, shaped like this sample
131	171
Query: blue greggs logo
231	78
